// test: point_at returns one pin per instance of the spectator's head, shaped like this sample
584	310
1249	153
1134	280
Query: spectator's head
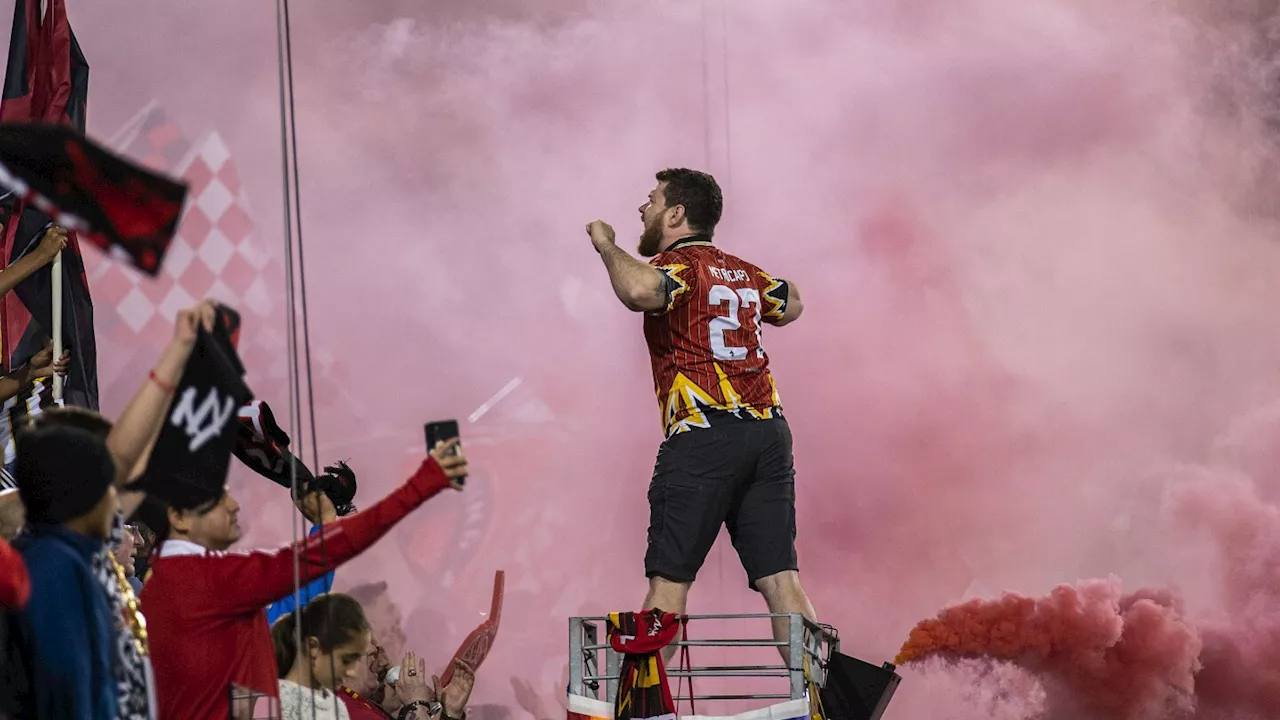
384	615
66	476
88	420
335	642
126	551
371	672
685	202
214	525
12	515
95	423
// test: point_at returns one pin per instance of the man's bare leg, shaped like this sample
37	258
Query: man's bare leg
783	594
667	596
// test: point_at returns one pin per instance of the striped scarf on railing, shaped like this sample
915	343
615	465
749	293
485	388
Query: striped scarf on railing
643	693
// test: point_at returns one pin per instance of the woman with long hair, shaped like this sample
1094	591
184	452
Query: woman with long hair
335	639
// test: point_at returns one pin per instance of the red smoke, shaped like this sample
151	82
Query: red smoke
1099	653
1124	656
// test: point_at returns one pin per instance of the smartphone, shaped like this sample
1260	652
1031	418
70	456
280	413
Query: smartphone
440	431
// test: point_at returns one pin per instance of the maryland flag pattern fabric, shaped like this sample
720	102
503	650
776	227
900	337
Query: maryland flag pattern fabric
643	692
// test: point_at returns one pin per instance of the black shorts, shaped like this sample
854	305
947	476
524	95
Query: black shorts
739	475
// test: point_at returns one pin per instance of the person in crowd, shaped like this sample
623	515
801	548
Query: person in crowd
364	690
335	640
128	443
66	481
209	634
321	501
126	555
41	365
52	242
384	615
142	556
15	589
112	567
12	515
15	583
407	689
369	695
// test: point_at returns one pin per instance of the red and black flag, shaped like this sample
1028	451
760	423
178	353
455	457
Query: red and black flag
47	78
118	205
28	310
46	81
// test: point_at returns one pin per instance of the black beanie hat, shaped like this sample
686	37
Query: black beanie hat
62	472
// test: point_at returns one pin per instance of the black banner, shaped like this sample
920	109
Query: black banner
188	467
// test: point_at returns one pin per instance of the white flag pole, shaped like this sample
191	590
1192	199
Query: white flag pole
57	324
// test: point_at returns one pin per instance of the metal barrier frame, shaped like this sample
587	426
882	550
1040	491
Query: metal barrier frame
804	639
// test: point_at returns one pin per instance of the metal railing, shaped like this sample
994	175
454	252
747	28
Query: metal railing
805	640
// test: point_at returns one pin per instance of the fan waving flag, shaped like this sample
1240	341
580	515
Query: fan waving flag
188	466
29	309
85	187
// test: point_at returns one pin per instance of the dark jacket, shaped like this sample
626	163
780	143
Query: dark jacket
65	632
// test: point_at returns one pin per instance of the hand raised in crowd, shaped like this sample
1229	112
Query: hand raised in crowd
42	363
412	684
53	242
186	326
455	695
453	464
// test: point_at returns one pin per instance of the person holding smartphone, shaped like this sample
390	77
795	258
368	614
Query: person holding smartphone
209	634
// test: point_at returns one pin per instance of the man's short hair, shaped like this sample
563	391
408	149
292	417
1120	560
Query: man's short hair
88	420
698	192
62	471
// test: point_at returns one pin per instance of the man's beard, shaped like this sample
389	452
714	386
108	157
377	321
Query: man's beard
650	240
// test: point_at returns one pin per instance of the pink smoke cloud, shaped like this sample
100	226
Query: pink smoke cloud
1028	236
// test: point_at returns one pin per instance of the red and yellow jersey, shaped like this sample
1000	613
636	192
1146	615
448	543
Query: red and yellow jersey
709	365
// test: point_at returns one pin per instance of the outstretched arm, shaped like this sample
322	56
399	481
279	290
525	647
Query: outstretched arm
264	577
40	365
637	284
135	433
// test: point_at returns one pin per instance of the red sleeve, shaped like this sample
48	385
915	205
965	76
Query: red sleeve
256	579
677	280
15	584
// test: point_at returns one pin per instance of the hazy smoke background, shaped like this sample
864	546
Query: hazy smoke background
1035	242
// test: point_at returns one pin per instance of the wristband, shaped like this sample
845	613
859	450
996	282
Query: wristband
161	384
432	708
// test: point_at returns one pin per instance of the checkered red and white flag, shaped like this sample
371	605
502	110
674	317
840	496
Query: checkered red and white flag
215	254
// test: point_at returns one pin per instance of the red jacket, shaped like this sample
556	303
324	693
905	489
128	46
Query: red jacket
361	708
15	585
204	609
